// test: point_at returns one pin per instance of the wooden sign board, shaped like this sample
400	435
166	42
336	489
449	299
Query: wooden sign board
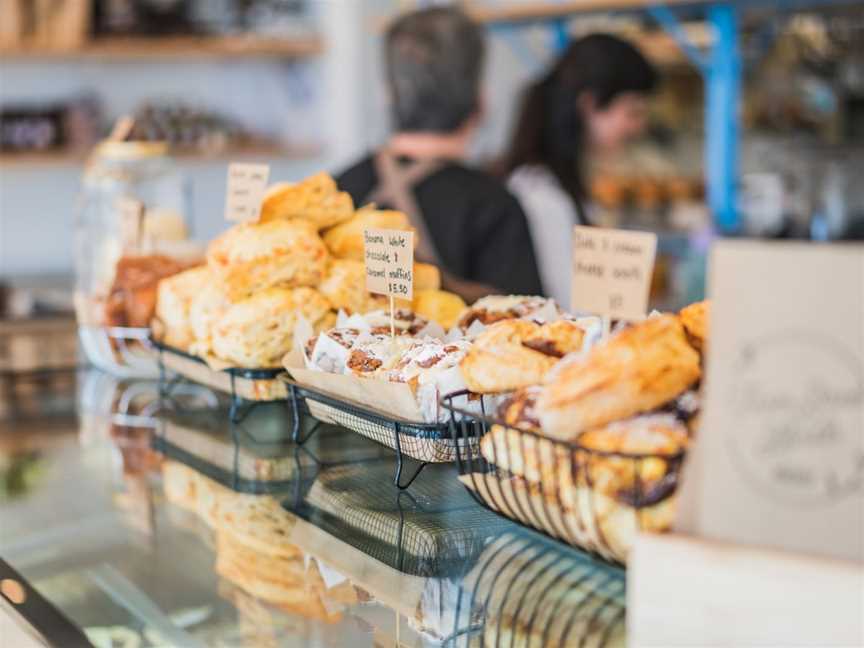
612	271
247	184
389	256
779	461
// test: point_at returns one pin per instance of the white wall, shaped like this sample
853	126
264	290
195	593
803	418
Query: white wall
338	99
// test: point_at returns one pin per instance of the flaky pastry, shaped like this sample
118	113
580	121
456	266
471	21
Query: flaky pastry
515	353
636	371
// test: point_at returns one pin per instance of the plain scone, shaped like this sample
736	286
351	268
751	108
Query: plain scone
254	256
636	371
257	332
175	295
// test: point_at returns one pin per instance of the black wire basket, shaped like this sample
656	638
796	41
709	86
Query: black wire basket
435	531
424	442
592	499
246	387
527	591
250	457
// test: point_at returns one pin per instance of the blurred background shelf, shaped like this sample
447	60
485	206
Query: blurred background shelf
258	150
173	47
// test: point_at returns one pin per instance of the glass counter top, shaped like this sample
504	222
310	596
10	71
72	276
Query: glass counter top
136	526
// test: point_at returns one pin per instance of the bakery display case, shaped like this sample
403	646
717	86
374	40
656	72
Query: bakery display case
348	562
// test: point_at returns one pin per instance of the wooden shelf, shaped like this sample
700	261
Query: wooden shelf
514	12
175	47
77	158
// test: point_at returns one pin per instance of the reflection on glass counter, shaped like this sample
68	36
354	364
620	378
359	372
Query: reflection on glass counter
154	536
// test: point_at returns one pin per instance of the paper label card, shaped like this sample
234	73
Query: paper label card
780	455
389	256
131	214
247	184
612	271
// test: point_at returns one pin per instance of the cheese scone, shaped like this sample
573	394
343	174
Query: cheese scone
345	240
636	371
516	353
254	256
316	199
426	277
258	331
695	320
439	306
344	285
174	299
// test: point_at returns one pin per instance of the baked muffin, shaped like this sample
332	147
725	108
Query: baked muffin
316	199
254	256
346	239
174	304
516	353
258	331
496	308
636	371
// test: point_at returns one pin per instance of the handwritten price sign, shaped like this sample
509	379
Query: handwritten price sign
246	186
389	258
612	271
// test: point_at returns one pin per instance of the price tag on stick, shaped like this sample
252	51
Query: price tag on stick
247	184
389	256
612	272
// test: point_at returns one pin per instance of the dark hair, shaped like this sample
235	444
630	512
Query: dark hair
549	128
434	59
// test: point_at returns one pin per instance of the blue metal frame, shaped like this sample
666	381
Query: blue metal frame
721	69
722	101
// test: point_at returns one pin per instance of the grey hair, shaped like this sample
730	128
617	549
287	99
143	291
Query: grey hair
434	59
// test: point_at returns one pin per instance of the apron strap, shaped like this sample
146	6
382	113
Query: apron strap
395	187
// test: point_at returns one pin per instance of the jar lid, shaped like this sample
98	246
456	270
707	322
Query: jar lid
111	150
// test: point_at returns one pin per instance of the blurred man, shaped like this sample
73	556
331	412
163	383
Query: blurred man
467	221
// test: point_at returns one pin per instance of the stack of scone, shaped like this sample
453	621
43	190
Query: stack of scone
304	257
628	404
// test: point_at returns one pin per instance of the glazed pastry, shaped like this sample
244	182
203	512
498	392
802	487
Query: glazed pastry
695	320
406	322
174	304
345	286
132	297
257	332
495	308
251	257
345	240
438	305
636	371
516	353
316	199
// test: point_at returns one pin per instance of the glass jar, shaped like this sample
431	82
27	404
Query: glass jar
118	174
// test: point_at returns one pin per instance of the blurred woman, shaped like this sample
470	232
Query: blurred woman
591	102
